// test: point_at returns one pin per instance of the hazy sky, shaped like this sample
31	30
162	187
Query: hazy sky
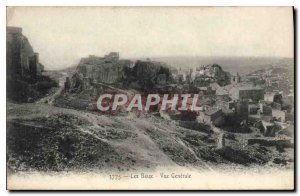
63	35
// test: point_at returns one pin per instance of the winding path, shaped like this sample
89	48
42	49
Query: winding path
50	98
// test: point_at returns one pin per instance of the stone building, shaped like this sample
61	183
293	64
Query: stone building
242	109
265	108
235	78
273	97
21	60
253	108
212	116
206	90
279	115
180	76
254	93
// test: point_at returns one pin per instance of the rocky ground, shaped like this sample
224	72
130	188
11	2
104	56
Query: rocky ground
44	137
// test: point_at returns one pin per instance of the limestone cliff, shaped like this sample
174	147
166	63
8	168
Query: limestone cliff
25	82
22	61
110	70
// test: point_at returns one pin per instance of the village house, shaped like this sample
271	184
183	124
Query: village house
180	75
206	90
235	78
269	96
273	97
242	109
253	108
279	115
223	90
214	86
272	130
265	108
254	93
211	116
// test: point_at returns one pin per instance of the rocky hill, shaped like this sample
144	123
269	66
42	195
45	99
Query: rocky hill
70	136
109	74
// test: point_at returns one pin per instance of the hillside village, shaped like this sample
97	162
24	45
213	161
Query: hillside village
232	101
254	103
244	119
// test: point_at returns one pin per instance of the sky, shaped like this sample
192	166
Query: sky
63	35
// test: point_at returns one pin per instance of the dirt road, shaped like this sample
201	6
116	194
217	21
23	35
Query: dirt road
51	97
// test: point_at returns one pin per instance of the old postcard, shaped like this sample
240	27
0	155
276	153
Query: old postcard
150	98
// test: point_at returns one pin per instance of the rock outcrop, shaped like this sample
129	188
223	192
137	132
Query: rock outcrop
108	69
25	82
22	61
